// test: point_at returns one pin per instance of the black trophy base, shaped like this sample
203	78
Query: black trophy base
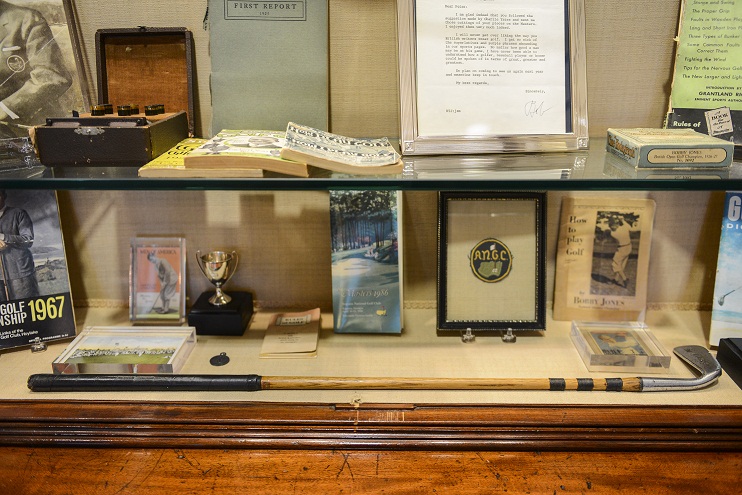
230	319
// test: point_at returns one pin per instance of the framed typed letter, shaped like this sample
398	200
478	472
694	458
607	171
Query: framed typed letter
491	262
156	280
479	76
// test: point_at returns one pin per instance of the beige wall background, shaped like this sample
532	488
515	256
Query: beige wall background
283	236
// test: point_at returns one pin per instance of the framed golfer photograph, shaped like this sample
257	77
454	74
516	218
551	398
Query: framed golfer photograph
491	262
156	280
480	76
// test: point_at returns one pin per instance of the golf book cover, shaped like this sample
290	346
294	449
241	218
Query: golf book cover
602	261
726	312
366	261
35	298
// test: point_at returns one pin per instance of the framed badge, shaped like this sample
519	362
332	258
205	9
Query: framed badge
491	262
156	280
494	76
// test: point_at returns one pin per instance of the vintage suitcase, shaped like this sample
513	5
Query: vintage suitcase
139	67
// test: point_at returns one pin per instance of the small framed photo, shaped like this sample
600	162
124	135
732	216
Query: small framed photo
491	262
492	76
156	280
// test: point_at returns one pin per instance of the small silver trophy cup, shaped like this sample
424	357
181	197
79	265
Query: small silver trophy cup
218	267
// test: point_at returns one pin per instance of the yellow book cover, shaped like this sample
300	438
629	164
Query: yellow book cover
171	164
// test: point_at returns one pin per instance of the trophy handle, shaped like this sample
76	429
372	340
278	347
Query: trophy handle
236	262
200	263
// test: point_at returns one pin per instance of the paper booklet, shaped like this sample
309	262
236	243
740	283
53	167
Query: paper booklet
292	335
726	312
603	259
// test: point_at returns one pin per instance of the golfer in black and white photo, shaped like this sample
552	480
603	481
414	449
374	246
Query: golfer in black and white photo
33	73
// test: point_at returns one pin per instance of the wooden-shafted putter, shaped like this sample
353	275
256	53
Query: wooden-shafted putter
698	357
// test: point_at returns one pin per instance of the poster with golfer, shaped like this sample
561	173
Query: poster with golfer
35	299
726	312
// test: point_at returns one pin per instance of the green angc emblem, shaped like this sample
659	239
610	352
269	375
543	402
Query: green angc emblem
490	260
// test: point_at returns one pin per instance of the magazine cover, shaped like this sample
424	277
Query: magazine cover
35	299
603	259
366	261
726	312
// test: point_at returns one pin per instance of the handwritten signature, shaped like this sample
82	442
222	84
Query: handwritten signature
535	108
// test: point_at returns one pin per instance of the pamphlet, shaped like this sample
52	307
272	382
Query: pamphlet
292	335
366	261
269	63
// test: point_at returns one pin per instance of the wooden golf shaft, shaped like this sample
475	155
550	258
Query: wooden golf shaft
555	384
251	383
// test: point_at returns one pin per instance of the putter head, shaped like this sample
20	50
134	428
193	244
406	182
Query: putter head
700	359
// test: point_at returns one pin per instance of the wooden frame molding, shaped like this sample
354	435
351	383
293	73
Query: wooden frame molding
250	425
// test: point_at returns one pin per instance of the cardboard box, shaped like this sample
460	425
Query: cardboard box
141	66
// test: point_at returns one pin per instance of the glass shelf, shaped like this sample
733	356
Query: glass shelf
593	169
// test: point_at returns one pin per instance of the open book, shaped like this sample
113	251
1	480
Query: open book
245	149
338	153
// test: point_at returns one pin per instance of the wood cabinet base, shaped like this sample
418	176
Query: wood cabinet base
125	448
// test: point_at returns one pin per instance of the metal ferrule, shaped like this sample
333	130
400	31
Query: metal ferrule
699	359
668	384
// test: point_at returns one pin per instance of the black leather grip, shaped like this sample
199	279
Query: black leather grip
137	383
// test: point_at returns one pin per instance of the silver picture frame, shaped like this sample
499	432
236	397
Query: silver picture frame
415	136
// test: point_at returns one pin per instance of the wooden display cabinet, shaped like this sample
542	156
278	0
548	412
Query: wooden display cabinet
392	443
677	442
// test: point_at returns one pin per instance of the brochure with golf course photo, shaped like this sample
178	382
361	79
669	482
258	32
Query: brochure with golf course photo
366	261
